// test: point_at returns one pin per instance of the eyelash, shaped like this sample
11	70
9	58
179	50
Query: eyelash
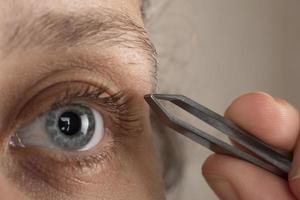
118	104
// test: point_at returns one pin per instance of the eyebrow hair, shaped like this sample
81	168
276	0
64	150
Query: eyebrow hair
63	31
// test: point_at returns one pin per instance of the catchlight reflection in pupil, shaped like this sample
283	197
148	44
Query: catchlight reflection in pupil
69	123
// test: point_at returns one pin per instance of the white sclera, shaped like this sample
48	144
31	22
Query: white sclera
34	133
99	131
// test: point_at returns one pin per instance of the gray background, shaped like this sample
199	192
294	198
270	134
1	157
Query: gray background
215	50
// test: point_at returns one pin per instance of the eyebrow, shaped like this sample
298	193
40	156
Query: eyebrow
55	31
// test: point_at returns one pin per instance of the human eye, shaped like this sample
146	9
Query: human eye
78	116
70	128
74	127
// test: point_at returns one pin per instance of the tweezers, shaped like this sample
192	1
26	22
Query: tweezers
261	155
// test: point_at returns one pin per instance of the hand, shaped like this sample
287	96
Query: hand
276	123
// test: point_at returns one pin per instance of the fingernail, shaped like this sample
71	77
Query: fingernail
222	188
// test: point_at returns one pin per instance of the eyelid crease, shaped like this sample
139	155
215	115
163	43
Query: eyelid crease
50	79
95	65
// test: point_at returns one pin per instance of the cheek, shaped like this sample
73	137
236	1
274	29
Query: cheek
142	168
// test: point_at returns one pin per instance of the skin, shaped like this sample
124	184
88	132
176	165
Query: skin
123	168
123	165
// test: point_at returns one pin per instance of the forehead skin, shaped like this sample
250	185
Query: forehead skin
20	7
128	59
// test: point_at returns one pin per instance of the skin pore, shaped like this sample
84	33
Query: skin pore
90	52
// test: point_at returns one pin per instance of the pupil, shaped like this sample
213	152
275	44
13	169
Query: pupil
69	123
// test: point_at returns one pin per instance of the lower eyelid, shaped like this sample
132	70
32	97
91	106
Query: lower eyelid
32	175
54	164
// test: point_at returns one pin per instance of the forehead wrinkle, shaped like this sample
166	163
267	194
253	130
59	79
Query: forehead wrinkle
59	31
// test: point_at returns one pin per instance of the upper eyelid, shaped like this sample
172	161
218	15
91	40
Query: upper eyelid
70	92
79	69
40	75
75	67
45	91
58	77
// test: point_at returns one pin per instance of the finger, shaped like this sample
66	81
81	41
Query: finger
234	179
272	120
